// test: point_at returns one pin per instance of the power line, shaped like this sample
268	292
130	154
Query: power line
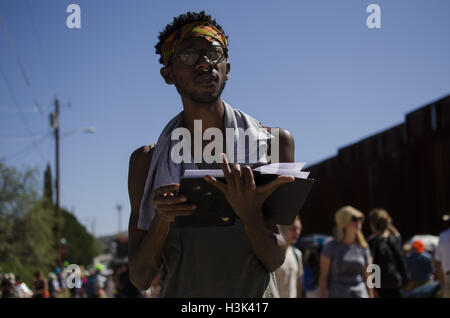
21	138
41	51
27	149
16	103
22	68
37	136
15	111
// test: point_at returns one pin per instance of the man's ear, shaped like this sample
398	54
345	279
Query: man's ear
228	71
166	73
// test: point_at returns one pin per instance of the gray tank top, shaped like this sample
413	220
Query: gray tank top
214	262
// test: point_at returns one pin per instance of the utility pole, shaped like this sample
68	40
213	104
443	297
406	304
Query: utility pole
54	122
119	210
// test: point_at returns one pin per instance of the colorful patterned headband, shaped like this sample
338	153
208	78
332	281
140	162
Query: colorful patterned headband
199	28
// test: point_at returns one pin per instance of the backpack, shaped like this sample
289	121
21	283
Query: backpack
387	254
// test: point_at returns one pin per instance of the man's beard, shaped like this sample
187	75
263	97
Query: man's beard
205	98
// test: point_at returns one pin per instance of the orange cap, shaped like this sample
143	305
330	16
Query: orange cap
419	246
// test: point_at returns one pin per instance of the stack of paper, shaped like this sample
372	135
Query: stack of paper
282	168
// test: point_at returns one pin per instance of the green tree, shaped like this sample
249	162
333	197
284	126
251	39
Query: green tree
48	189
28	222
80	245
26	236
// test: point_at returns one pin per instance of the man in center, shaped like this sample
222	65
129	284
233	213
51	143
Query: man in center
230	261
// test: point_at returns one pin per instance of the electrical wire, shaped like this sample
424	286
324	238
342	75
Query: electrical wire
21	67
15	111
27	149
41	51
18	139
16	103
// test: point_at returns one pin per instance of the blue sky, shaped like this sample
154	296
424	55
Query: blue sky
312	67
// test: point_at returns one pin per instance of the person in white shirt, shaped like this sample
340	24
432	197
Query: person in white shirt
442	262
289	275
21	289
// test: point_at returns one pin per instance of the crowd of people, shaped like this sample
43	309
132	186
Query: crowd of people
342	267
97	283
349	265
12	286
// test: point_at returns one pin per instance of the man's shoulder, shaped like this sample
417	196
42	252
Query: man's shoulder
286	144
140	161
142	155
143	151
284	134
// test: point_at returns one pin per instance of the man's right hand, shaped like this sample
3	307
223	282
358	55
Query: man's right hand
169	204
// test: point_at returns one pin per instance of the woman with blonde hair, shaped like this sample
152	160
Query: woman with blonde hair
344	260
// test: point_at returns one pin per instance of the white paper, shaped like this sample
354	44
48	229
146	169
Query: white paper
273	168
282	168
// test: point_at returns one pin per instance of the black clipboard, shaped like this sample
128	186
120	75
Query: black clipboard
281	207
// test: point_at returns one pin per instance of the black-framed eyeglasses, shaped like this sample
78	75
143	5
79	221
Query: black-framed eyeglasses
356	219
215	54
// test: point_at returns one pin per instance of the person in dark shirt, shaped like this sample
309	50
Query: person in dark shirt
420	265
39	286
7	287
194	54
385	245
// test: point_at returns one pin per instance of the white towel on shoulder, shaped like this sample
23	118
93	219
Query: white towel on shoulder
163	170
